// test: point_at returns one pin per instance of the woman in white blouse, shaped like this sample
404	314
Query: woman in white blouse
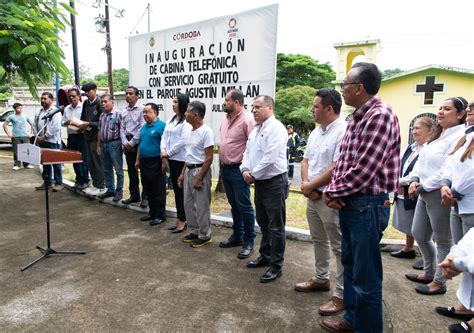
404	206
431	218
173	154
457	189
461	260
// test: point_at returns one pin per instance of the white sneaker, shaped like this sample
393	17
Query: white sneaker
16	168
102	191
29	166
91	190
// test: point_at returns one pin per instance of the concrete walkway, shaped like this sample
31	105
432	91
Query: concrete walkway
140	278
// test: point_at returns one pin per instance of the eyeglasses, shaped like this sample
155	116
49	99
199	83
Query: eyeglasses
343	84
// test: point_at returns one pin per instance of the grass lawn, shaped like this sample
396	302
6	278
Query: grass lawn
295	205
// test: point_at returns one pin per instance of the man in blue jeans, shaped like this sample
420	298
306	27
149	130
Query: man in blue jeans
366	171
49	136
109	148
235	130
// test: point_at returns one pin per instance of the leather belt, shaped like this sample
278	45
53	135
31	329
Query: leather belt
107	141
229	166
194	166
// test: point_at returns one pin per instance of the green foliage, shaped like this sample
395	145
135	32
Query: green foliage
29	36
119	76
293	106
302	70
391	72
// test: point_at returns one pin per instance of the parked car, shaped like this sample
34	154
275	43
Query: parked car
3	136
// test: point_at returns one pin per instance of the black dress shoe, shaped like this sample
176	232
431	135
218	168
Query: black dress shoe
414	278
147	218
404	254
117	198
106	195
231	242
130	201
462	327
245	251
451	312
173	227
270	275
259	262
425	290
157	221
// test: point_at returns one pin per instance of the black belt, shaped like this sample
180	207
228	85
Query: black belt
194	166
107	141
229	166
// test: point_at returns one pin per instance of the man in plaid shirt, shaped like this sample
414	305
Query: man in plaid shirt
367	170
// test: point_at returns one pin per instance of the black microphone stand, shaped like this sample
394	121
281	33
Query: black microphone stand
48	251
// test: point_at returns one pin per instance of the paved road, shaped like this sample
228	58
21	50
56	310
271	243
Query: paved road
140	278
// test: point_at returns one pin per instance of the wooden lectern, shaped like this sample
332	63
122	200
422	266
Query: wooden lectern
32	154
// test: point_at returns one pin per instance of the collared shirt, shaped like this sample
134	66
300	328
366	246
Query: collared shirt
199	139
174	139
109	126
71	112
460	175
235	132
150	139
464	262
265	154
132	122
323	148
370	153
52	133
427	169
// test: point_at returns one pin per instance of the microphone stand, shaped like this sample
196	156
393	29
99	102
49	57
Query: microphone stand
48	251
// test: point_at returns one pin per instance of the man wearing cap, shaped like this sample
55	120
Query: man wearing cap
91	111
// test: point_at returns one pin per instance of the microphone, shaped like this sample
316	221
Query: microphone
52	113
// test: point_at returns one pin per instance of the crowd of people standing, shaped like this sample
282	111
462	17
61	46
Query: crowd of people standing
347	172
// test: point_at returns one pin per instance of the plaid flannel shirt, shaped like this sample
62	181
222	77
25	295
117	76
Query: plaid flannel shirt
369	163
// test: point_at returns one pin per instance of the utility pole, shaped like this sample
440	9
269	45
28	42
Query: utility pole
108	48
77	80
148	8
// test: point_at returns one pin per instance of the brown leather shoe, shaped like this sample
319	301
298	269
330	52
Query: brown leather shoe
336	325
334	306
312	285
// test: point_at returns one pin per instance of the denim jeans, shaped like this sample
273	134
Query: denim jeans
363	220
238	195
76	142
111	158
47	170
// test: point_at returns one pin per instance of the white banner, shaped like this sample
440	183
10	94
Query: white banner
205	60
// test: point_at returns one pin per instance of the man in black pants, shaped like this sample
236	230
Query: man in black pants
132	122
149	162
264	164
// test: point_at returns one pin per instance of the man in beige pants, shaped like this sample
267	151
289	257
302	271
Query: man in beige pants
316	170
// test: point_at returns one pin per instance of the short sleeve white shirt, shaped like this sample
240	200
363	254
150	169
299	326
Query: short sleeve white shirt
198	141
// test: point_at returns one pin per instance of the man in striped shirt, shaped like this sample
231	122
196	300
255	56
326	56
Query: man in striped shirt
109	148
367	170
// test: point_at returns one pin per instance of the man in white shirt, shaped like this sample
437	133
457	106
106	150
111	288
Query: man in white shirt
316	170
75	140
49	137
265	165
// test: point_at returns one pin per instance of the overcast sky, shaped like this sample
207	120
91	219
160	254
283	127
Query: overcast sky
413	33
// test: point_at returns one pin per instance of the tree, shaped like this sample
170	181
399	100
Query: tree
391	72
120	78
302	70
29	36
293	106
